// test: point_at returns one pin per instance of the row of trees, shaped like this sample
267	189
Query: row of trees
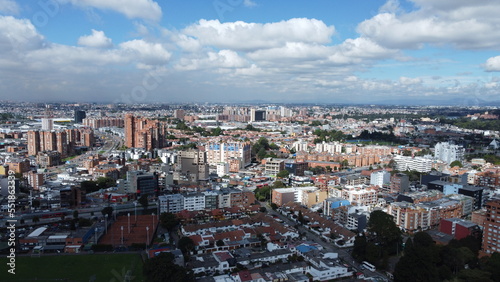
383	239
423	260
261	147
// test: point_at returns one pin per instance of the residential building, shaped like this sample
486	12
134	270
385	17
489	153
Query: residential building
459	228
400	183
491	231
222	151
380	178
448	153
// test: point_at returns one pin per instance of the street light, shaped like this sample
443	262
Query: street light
135	211
147	241
128	214
95	235
153	222
106	222
122	234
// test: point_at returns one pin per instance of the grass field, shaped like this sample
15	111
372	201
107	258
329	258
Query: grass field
95	267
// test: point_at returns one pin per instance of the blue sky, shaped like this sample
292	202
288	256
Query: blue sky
361	51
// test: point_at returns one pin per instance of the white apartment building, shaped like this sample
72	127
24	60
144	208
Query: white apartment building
194	201
448	152
172	203
332	148
221	151
222	169
361	195
419	164
300	145
379	178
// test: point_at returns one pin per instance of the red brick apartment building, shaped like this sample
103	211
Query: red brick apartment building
491	231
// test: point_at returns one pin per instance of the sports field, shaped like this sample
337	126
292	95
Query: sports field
94	267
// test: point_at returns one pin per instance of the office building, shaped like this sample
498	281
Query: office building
79	116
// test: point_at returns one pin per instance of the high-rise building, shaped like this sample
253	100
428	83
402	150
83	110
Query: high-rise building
179	114
62	141
380	178
491	231
191	166
79	116
33	142
222	151
144	133
400	183
448	152
130	130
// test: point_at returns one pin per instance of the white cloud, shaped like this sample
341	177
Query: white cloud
133	9
492	64
97	39
242	36
409	81
147	52
249	3
18	35
214	60
464	24
9	7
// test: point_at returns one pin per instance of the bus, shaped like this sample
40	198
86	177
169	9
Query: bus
368	266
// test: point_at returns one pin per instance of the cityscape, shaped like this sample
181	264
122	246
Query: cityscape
249	192
249	140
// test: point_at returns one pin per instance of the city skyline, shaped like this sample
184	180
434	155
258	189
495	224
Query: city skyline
369	52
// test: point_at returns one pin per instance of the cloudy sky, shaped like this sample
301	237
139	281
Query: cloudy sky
320	51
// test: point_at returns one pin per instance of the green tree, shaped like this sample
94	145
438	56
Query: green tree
456	163
107	211
35	203
143	200
384	232
162	268
219	243
105	182
216	131
359	249
169	220
283	174
185	244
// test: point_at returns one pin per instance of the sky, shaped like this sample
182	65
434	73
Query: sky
415	52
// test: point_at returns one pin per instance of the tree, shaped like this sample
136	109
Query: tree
36	219
107	211
220	243
216	131
283	174
384	231
407	153
105	182
359	249
274	206
162	268
456	163
75	214
278	184
185	244
168	220
35	204
143	200
262	209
